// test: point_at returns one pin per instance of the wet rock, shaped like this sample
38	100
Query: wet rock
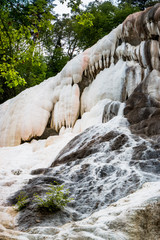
135	217
119	142
16	172
38	171
47	133
35	185
86	144
98	167
110	110
143	110
139	151
136	27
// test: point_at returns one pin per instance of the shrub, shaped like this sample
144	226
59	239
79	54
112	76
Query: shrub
55	199
22	201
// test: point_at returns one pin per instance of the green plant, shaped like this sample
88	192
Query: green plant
22	201
55	199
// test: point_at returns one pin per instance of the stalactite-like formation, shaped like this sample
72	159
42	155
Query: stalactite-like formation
111	69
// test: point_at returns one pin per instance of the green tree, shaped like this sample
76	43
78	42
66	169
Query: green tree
142	4
22	29
106	16
91	24
56	51
55	62
122	12
67	37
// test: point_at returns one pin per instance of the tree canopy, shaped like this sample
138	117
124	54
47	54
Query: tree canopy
141	4
23	27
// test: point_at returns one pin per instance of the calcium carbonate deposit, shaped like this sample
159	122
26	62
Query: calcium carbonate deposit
95	128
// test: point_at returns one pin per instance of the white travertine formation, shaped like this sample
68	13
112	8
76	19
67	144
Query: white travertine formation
27	114
66	110
125	57
153	87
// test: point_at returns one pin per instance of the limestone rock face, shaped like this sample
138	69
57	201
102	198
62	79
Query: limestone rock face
95	127
128	218
108	71
99	166
143	107
142	26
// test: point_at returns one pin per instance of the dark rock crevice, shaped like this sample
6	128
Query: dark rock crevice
143	111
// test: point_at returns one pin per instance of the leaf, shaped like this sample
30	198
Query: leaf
85	19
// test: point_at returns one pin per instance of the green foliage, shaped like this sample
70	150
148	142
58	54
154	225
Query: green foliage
33	70
56	62
63	40
103	18
85	19
141	4
73	4
23	27
151	3
123	11
55	199
22	201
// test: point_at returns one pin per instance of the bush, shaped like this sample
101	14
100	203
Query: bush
55	199
22	201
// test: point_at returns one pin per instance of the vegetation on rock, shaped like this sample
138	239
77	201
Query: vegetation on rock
55	199
22	201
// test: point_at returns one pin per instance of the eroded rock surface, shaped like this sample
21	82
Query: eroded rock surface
134	217
99	167
143	107
111	69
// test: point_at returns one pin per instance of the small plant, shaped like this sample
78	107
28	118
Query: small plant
22	201
55	199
